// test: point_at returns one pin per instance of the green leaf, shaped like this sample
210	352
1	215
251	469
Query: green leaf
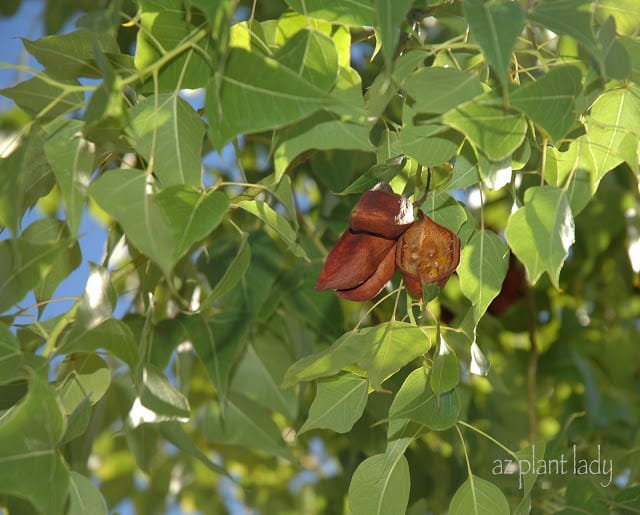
259	373
339	403
159	395
49	230
616	59
495	26
175	433
321	131
443	209
354	12
30	465
10	356
166	27
127	196
430	145
445	372
71	158
549	101
168	131
548	215
70	56
193	214
233	274
82	376
570	17
465	169
275	221
42	97
571	170
381	172
84	497
495	174
312	56
478	496
113	335
24	266
380	486
257	93
25	176
483	267
494	131
380	350
522	242
626	13
612	129
416	401
246	424
479	365
438	90
390	17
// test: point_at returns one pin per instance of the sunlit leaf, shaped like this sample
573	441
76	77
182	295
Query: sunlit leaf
380	485
483	265
355	12
338	404
494	131
478	496
380	350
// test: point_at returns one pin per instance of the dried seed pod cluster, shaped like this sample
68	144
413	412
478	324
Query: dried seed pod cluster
382	236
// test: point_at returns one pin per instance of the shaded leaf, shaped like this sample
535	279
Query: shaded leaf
70	56
30	465
168	131
192	214
84	496
495	26
275	221
445	372
390	17
549	101
41	97
570	17
245	423
127	195
438	90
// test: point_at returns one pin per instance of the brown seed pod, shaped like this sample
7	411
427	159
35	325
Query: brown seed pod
372	286
354	258
381	212
427	252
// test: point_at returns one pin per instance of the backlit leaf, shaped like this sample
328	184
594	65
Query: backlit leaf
478	496
338	404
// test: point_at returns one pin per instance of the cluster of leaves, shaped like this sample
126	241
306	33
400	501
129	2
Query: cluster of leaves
522	108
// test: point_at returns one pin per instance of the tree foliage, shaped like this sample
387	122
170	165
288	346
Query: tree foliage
228	379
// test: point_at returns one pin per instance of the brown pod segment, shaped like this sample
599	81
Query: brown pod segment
372	286
427	252
381	212
354	259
